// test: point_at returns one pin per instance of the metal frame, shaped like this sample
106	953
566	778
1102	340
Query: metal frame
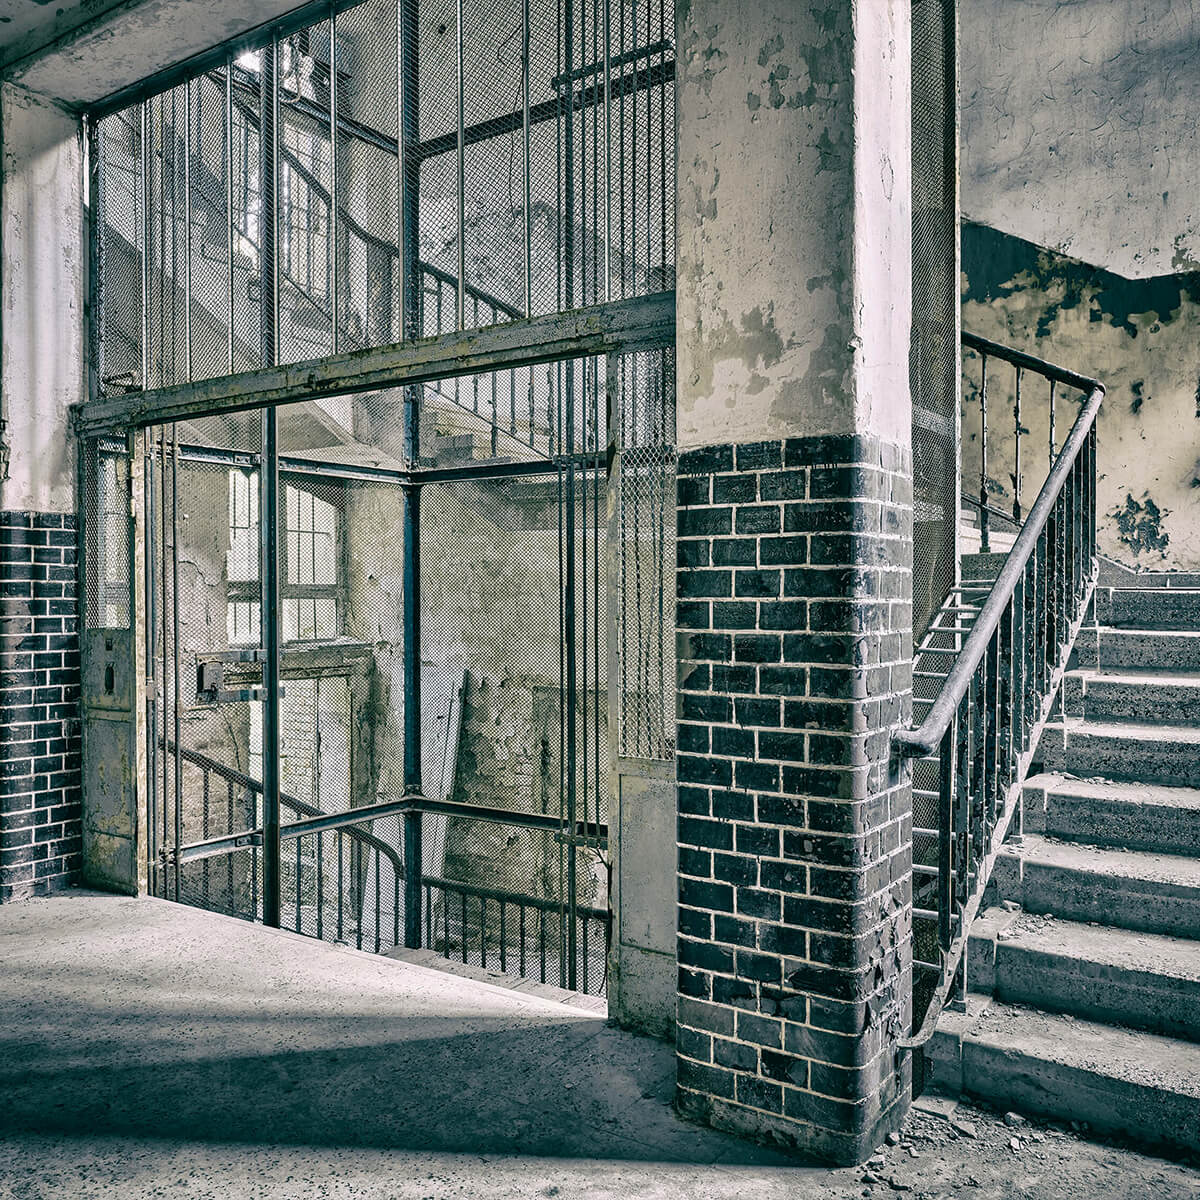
522	340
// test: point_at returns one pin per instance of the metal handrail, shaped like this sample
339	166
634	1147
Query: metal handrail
925	739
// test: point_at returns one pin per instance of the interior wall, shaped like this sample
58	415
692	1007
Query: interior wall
1082	241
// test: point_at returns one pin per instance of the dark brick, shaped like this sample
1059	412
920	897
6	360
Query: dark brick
759	456
691	614
692	585
704	522
783	614
734	679
753	902
785	1068
753	839
737	1056
708	1081
758	1093
756	583
735	868
732	742
757	648
712	771
734	552
755	711
691	490
732	806
713	647
815	451
734	489
696	893
783	551
692	739
701	707
705	956
692	552
695	831
706	460
784	485
734	614
756	776
758	519
783	681
695	923
695	1045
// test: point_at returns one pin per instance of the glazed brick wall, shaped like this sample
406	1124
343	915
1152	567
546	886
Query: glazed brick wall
40	749
794	828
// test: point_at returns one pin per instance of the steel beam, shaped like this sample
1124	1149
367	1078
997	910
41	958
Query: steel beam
643	323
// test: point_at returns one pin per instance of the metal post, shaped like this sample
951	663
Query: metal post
146	238
528	233
268	478
984	544
176	694
408	126
1016	509
229	207
187	230
460	312
335	319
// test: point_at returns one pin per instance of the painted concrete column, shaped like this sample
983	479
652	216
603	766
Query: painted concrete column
794	578
41	373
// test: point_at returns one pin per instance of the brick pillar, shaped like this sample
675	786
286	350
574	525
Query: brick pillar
794	576
40	793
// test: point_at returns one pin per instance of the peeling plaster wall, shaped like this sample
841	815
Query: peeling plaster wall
1082	241
792	273
1078	128
1140	337
41	299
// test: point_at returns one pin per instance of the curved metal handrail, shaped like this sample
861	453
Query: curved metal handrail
925	738
300	807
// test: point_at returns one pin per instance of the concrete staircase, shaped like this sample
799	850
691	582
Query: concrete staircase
1084	971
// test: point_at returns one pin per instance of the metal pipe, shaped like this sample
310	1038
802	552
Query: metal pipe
176	696
984	519
146	241
335	321
187	230
269	490
460	314
526	222
229	209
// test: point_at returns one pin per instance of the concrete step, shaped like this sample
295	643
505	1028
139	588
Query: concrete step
1148	608
1141	1085
1162	649
1146	753
1120	976
1101	812
1126	889
1128	695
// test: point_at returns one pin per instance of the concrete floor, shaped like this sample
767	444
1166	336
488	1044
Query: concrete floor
148	1049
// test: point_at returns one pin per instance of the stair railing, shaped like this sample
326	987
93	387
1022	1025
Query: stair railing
984	725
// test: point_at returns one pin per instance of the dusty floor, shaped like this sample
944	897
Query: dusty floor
153	1050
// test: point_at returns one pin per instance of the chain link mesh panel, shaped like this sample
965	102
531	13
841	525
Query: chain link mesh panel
517	199
645	388
935	350
106	514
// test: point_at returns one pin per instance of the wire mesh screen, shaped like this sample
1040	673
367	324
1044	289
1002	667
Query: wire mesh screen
528	732
934	366
644	387
391	171
106	560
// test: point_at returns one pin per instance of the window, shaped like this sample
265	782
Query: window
309	610
310	595
242	613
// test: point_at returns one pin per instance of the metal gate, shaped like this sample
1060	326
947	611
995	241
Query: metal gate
374	625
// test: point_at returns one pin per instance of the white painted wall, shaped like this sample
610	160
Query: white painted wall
1079	127
42	261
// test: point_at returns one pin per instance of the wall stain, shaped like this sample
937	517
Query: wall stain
1136	387
1139	525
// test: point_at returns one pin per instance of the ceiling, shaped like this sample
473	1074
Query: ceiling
28	25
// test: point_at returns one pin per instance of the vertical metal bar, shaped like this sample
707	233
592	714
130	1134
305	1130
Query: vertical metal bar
268	478
607	151
1053	438
378	943
229	209
299	874
146	227
153	679
187	231
503	938
320	887
984	544
460	311
947	772
335	313
176	697
483	931
1017	449
341	888
521	933
528	232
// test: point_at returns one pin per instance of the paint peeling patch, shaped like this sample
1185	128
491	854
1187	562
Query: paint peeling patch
1137	387
1139	525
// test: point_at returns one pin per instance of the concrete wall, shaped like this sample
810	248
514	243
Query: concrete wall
1083	239
41	299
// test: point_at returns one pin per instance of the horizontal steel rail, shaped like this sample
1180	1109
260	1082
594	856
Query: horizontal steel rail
617	327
